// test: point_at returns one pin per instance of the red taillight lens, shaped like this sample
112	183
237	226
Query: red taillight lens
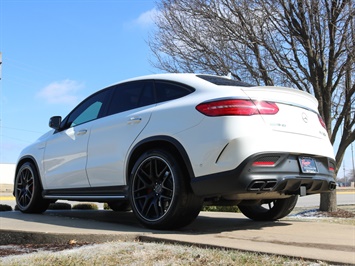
268	160
237	107
266	163
266	108
321	121
331	166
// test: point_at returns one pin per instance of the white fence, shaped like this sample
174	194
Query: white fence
7	173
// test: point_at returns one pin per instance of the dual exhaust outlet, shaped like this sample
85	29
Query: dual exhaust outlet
291	186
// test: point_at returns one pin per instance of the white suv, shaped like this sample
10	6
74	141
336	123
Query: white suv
164	145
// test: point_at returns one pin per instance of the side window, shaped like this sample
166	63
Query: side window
91	113
88	110
169	91
131	95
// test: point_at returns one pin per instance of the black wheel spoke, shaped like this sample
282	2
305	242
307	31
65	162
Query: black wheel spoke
27	199
22	200
146	202
155	208
167	185
159	169
25	187
269	204
28	190
269	210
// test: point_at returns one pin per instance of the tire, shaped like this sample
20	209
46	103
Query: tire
28	190
159	192
119	206
269	210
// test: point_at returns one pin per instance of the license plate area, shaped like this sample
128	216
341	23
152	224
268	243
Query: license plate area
308	165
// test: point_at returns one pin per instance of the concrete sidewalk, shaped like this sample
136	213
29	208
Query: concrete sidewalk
308	239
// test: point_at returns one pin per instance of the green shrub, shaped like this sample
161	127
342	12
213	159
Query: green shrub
5	208
220	209
106	207
59	206
85	206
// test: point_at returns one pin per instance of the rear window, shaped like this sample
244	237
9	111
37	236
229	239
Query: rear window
131	95
167	91
224	81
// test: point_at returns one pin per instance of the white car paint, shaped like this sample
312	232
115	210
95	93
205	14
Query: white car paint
109	140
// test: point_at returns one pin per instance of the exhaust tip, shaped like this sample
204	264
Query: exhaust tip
262	185
332	186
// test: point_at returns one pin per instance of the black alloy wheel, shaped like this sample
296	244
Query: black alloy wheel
159	192
28	190
269	210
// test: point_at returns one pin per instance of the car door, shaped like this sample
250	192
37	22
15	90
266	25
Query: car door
65	155
128	113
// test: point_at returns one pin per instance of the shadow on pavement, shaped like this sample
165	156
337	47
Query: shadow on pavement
205	223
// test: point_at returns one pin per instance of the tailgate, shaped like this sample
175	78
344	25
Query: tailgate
297	110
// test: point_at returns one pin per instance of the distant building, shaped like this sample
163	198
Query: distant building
7	173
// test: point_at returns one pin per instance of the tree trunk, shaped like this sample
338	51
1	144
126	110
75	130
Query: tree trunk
328	201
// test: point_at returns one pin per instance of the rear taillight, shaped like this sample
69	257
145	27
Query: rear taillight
268	160
321	121
237	107
266	163
331	166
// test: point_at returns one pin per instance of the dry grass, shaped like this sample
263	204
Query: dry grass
344	215
137	253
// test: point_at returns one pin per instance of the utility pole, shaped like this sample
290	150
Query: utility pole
352	155
0	64
1	104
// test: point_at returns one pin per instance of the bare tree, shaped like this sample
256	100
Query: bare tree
350	177
307	44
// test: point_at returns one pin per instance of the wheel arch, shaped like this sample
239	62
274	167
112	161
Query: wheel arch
23	160
168	143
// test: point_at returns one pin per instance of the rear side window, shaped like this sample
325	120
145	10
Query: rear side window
224	81
166	91
131	95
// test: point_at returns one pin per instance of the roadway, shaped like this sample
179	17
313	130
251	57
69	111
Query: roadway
344	197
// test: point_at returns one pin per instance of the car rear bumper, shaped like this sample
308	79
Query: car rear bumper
257	175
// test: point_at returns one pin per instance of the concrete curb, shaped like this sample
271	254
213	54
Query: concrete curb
308	239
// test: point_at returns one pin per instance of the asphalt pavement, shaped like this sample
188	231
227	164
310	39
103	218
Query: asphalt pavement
308	238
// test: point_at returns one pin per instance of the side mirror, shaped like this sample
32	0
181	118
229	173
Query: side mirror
55	121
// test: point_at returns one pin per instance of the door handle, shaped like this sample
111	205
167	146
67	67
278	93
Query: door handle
134	120
81	132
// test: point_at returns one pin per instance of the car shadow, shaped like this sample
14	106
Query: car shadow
107	220
206	224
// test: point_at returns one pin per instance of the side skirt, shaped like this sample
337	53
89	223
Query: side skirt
88	193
